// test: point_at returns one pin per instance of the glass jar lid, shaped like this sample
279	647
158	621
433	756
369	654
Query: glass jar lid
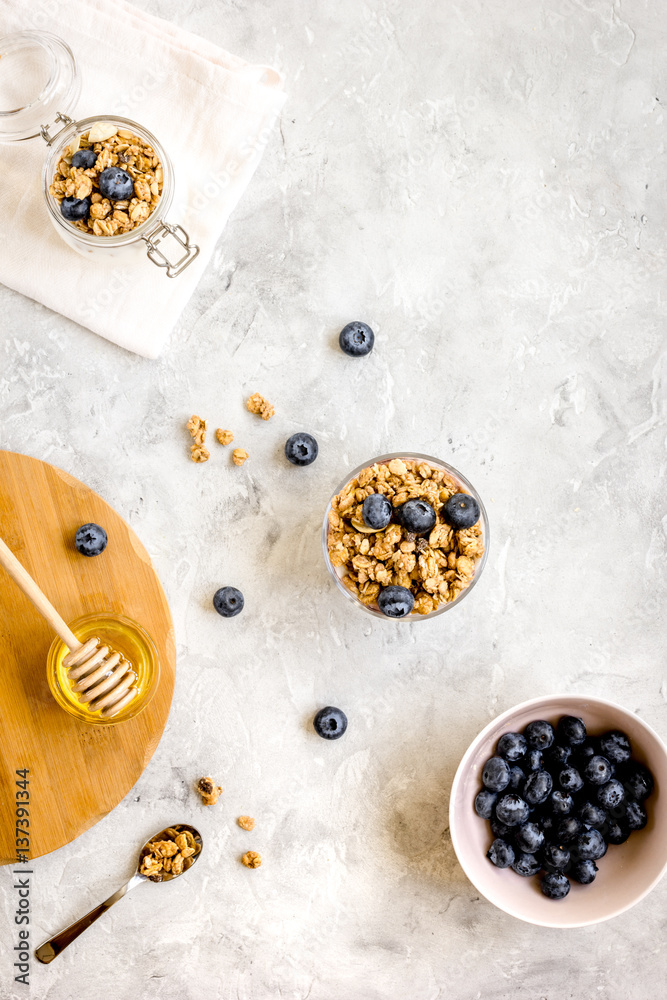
38	79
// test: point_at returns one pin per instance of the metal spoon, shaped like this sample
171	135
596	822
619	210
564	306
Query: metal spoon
51	948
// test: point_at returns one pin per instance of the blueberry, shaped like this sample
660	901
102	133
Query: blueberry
501	830
598	770
539	734
568	829
557	757
377	511
416	516
638	781
611	795
330	723
555	857
526	864
570	780
496	774
581	756
500	854
529	837
84	159
356	339
548	823
116	184
228	602
484	803
395	602
617	831
555	885
537	788
571	730
74	208
583	871
635	815
90	540
561	803
592	814
590	845
517	778
512	746
512	810
534	761
615	746
461	511
301	448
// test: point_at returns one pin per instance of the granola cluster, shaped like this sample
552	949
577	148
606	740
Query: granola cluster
251	859
257	404
169	856
209	791
115	147
197	428
246	822
435	568
224	437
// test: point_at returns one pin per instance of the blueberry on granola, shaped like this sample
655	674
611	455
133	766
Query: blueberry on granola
461	511
90	540
73	209
84	159
116	184
416	516
301	449
395	602
356	340
228	602
377	511
330	723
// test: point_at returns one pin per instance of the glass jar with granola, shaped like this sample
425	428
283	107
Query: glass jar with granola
405	535
108	183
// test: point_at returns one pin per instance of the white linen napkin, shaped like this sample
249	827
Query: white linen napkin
211	111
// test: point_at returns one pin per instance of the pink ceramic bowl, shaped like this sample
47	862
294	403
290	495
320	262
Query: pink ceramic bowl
627	872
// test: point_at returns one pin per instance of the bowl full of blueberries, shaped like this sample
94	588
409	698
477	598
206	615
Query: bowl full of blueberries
556	812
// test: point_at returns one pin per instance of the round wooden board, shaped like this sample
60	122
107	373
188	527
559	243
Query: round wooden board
78	772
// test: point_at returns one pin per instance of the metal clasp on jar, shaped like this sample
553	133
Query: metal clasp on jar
179	238
44	129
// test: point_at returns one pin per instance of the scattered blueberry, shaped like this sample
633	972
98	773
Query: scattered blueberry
517	778
611	795
615	746
461	511
74	208
356	339
500	854
555	885
592	815
512	810
416	516
526	864
583	871
228	602
484	803
330	723
570	780
571	730
90	540
116	184
537	788
561	803
395	602
555	857
496	774
529	837
638	781
635	815
301	449
598	771
568	829
590	845
512	746
539	734
534	761
84	159
377	511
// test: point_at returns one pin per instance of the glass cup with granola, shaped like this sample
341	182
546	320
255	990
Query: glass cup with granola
405	535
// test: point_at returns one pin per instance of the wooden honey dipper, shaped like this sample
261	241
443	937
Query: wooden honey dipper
101	678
